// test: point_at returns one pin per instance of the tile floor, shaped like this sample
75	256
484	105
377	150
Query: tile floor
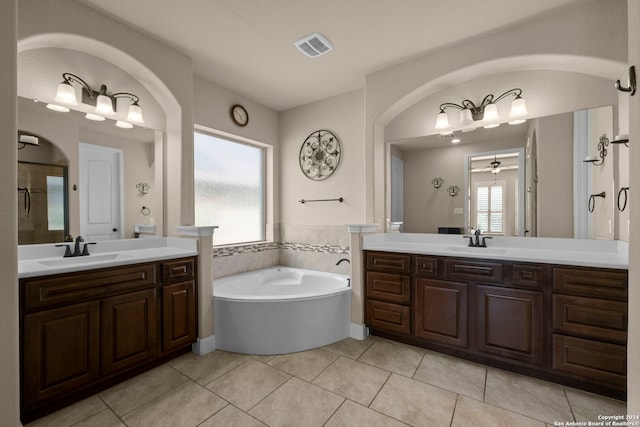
374	382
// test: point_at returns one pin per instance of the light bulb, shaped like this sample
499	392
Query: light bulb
104	105
66	94
124	125
135	114
443	121
58	108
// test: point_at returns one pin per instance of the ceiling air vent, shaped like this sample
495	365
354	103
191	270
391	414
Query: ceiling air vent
313	45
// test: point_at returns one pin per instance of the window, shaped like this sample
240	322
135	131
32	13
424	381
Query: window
489	207
229	188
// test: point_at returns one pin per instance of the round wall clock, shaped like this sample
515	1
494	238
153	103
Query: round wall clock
320	155
239	115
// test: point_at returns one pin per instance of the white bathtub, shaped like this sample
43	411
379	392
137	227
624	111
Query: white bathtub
280	310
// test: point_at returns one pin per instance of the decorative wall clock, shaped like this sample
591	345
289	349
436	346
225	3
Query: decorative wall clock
239	115
320	155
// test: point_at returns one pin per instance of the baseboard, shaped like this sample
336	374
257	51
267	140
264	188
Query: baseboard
358	331
204	345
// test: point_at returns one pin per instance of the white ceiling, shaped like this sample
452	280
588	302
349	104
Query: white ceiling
247	45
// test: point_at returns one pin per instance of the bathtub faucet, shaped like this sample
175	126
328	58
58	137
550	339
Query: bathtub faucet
342	260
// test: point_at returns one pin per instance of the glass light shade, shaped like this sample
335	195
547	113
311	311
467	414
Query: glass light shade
492	125
58	108
518	108
66	94
94	117
495	170
455	140
491	113
124	125
135	114
468	129
517	122
104	105
465	117
443	121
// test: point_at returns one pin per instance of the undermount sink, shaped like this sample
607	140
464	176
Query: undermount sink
88	259
478	250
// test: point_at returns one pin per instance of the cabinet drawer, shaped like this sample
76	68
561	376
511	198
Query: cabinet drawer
602	362
178	270
482	271
591	282
389	287
391	263
426	266
389	317
592	317
52	290
527	276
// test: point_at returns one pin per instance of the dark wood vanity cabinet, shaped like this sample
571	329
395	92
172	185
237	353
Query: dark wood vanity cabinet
560	323
82	332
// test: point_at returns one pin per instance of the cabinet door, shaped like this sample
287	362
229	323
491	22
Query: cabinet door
129	330
61	350
179	316
509	323
441	311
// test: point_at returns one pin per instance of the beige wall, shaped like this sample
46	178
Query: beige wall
342	115
555	176
633	343
9	386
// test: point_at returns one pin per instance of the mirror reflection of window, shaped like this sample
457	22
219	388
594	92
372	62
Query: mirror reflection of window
489	207
55	202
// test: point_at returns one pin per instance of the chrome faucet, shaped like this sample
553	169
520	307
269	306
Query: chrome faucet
342	260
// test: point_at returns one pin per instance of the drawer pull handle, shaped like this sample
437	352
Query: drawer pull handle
488	271
428	267
182	269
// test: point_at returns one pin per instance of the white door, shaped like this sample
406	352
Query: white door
100	192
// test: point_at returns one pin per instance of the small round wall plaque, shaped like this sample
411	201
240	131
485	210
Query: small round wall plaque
320	155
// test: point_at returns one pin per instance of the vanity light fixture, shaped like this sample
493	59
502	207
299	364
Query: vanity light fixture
105	104
603	143
487	111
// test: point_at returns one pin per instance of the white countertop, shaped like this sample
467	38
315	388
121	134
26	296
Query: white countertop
47	259
580	252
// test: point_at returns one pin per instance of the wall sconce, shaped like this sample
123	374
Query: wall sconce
105	104
453	190
487	111
437	182
143	187
602	152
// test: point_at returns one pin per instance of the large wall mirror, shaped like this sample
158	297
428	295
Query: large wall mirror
61	173
523	180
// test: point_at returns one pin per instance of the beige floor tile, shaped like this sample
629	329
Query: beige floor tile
231	416
414	402
587	406
71	414
207	368
352	379
127	396
350	414
248	384
186	406
471	412
263	358
305	364
395	357
297	404
527	396
453	374
350	347
105	418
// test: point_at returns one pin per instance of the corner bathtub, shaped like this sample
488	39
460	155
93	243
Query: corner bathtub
280	310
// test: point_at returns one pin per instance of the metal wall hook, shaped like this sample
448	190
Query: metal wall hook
632	82
592	200
625	191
